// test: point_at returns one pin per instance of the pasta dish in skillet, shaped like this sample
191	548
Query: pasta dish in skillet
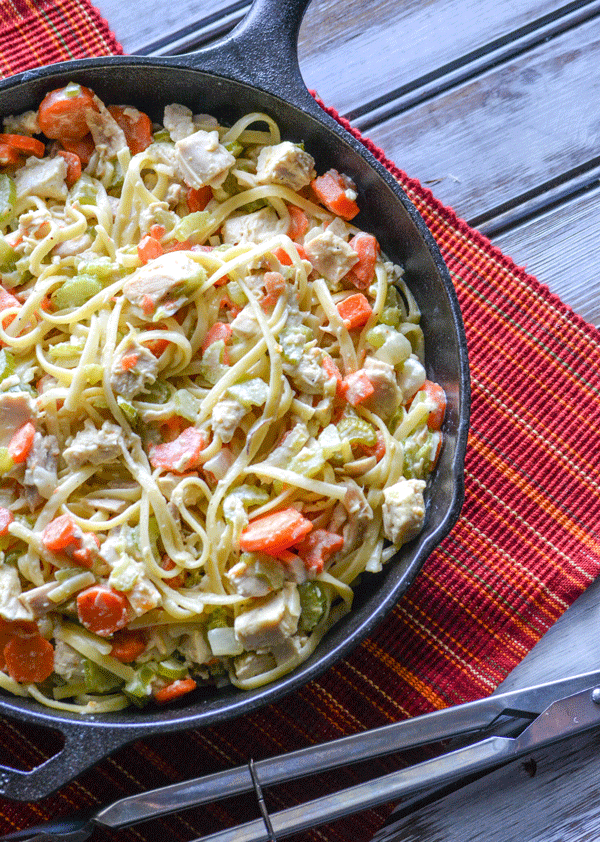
214	412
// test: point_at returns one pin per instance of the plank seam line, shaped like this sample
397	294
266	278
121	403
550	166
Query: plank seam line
473	64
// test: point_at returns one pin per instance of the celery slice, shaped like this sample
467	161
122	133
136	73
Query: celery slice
7	364
172	668
8	197
76	291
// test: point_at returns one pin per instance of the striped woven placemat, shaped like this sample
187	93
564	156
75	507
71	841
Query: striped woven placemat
524	548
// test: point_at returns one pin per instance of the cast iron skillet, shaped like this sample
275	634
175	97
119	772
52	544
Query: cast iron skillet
256	69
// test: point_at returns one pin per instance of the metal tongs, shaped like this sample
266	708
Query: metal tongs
490	733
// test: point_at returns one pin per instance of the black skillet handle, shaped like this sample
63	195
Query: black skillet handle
262	51
82	749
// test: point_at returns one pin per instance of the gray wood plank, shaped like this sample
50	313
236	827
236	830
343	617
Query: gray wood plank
558	246
496	137
352	53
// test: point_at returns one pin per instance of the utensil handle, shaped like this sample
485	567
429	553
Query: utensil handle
262	50
480	757
83	748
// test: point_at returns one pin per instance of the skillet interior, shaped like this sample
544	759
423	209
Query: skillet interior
386	212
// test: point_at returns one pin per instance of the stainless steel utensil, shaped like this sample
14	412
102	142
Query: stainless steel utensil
497	730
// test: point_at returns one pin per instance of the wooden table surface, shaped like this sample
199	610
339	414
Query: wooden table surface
495	105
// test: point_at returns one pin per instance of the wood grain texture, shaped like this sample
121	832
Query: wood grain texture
488	141
558	248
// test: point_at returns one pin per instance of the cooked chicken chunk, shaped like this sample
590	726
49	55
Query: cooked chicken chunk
203	160
226	416
285	164
271	621
178	121
387	397
252	227
16	409
331	256
403	510
94	446
130	381
159	281
43	177
109	137
41	467
11	607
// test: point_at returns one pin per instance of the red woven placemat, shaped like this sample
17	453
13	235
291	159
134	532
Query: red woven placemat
524	548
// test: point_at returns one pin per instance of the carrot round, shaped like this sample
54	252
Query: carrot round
137	127
436	395
181	454
318	546
330	189
29	658
298	222
220	330
59	534
275	532
6	518
24	144
21	443
355	310
102	610
8	155
175	690
127	646
198	198
62	113
73	162
84	148
149	248
367	249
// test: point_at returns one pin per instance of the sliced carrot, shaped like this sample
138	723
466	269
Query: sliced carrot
21	443
220	330
8	301
182	245
318	547
62	113
332	371
149	249
198	198
73	162
6	518
127	646
84	148
284	258
60	534
275	286
137	127
355	310
330	190
367	249
275	532
129	361
377	450
358	387
175	690
180	455
156	346
298	222
177	581
102	610
436	395
24	144
8	155
29	658
157	231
